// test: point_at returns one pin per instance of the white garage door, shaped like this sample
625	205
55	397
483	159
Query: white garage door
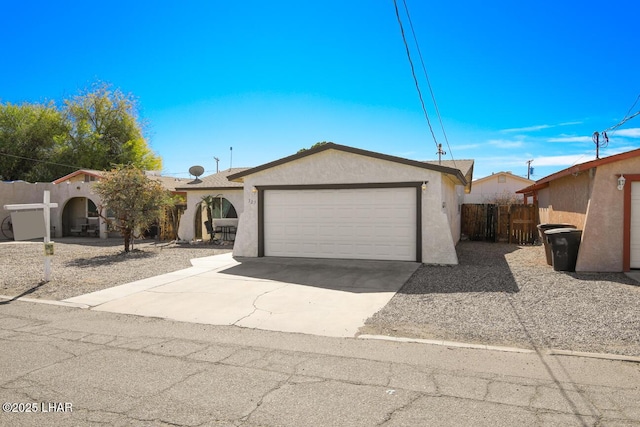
371	223
635	226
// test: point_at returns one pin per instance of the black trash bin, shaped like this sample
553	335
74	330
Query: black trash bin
565	243
547	248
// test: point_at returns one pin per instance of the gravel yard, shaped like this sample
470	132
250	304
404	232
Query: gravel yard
499	294
504	294
83	265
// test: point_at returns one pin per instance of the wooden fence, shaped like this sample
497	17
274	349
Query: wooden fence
500	223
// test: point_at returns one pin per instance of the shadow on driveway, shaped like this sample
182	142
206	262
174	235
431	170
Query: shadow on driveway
357	276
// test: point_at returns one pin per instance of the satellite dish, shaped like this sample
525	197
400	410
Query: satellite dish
196	171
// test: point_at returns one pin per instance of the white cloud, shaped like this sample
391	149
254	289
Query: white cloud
566	160
526	129
570	123
538	127
571	139
631	133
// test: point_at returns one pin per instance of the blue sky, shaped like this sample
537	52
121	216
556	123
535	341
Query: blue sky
513	81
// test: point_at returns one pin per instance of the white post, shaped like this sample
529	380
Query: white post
47	234
46	209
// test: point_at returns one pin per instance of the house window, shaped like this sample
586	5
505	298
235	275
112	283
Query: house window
502	179
92	209
222	208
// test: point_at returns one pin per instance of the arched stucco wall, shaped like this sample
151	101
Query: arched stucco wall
25	192
186	231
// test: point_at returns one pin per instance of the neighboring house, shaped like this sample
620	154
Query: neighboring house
335	201
228	204
594	197
497	187
77	211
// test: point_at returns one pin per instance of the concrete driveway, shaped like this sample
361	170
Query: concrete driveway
311	296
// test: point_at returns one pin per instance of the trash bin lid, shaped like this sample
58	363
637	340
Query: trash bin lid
549	226
563	231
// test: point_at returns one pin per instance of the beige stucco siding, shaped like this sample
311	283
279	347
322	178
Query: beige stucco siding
566	200
490	189
339	167
186	230
591	202
24	192
602	236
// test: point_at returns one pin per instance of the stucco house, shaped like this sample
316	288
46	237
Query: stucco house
602	198
77	202
499	186
335	201
228	204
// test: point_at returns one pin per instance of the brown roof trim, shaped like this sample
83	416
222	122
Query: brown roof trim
332	146
509	174
528	191
218	188
579	168
91	172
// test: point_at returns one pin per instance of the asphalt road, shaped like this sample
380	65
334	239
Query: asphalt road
69	366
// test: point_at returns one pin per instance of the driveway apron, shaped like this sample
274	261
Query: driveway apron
312	296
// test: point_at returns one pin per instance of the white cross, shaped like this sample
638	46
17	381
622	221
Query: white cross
46	206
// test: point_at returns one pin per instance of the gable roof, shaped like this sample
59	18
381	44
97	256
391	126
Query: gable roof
464	165
507	174
456	174
167	182
544	182
91	172
216	181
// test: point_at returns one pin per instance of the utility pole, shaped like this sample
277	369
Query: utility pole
529	168
231	161
217	161
440	153
600	143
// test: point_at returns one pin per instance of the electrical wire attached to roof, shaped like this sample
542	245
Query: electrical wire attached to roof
601	139
426	75
413	72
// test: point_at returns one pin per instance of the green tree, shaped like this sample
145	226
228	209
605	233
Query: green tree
29	134
96	129
317	144
105	130
133	200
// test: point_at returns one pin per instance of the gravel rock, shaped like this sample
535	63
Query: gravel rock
83	265
499	294
503	294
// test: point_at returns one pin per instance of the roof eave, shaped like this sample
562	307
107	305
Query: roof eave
588	165
239	177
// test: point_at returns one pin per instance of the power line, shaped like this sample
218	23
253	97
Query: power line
634	104
623	121
413	72
41	161
426	75
626	118
601	139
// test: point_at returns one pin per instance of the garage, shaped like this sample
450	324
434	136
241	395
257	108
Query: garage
335	201
378	223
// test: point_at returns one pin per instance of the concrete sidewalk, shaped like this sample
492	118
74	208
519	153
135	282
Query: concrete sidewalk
311	296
